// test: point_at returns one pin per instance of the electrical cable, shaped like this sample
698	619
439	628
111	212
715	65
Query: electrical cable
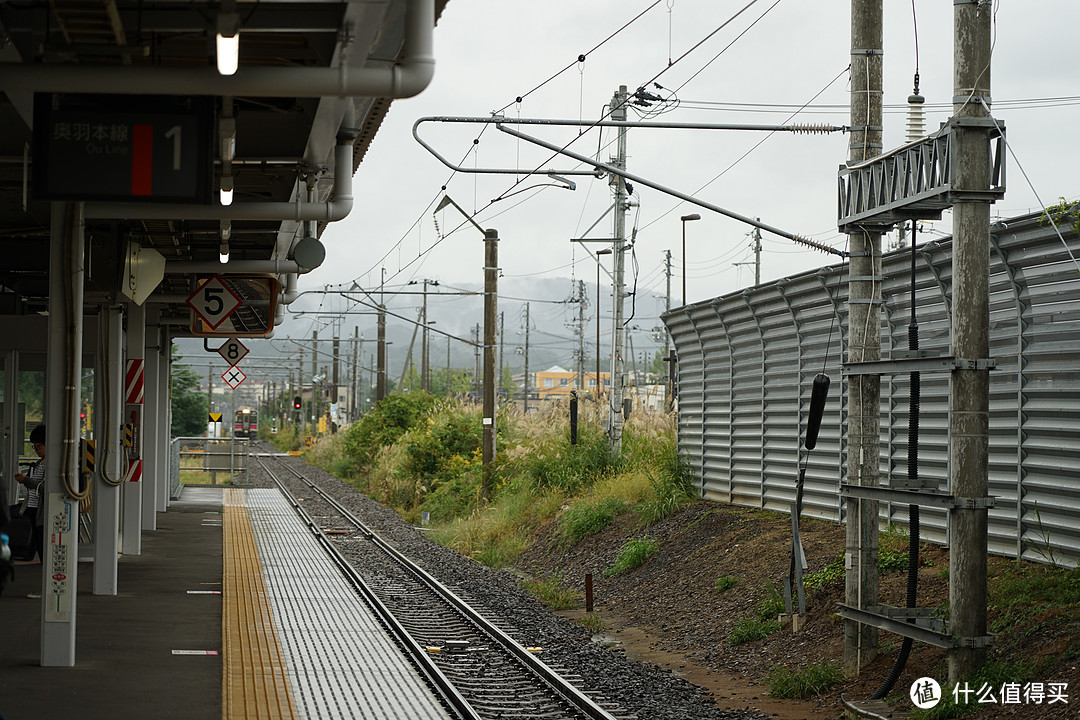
1046	212
752	149
914	400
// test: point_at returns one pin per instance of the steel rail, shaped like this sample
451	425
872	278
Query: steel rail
566	690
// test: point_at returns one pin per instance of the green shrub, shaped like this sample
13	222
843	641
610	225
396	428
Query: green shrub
773	605
752	629
806	682
593	623
831	573
394	415
553	592
588	517
502	550
453	497
725	583
890	560
555	464
633	554
429	447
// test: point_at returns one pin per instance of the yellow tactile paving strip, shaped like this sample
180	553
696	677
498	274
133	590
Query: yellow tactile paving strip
255	683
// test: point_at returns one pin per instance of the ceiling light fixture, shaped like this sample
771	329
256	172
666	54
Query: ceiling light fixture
228	43
226	189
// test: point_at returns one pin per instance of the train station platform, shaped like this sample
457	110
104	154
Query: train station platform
231	611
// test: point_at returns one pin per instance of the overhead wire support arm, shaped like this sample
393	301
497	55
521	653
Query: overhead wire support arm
674	193
499	120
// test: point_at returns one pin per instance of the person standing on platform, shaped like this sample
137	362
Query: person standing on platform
33	504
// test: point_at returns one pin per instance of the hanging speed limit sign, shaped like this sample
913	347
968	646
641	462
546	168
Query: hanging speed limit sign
214	301
232	351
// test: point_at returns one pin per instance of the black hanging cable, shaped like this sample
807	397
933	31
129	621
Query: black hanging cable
914	401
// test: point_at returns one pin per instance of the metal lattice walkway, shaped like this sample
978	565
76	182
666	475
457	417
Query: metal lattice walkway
339	663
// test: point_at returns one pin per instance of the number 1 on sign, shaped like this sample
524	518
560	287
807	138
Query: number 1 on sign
174	135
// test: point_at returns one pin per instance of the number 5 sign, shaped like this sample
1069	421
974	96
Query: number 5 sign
213	301
233	351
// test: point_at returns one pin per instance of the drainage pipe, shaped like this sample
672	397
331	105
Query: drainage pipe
404	79
207	267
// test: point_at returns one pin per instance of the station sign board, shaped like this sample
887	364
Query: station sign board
153	148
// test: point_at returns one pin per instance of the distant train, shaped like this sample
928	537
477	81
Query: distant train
246	424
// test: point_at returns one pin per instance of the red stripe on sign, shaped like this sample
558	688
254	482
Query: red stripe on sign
133	382
135	471
142	159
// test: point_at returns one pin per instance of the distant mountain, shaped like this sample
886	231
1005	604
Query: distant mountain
553	308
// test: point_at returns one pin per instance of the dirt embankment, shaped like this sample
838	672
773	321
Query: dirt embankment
670	612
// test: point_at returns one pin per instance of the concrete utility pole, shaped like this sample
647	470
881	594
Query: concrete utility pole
581	336
408	355
380	354
313	411
757	254
502	342
491	299
335	382
526	394
667	335
969	387
380	379
354	407
424	344
615	413
864	329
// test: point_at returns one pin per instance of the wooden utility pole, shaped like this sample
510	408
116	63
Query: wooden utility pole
864	342
491	300
969	386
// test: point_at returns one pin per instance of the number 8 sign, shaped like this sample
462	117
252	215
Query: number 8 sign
213	301
233	351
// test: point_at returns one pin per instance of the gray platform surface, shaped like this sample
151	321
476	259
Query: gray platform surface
341	663
125	666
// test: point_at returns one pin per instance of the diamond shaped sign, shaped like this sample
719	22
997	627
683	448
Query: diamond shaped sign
214	301
233	377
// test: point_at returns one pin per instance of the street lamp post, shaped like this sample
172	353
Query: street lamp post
491	268
685	219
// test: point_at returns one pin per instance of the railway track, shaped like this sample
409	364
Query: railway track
480	670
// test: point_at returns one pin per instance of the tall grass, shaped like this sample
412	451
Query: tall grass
417	454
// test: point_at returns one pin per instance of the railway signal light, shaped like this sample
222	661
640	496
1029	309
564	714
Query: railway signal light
297	402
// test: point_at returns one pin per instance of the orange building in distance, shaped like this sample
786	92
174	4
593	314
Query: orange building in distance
557	382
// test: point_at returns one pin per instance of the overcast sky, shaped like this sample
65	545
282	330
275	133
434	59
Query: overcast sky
759	67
